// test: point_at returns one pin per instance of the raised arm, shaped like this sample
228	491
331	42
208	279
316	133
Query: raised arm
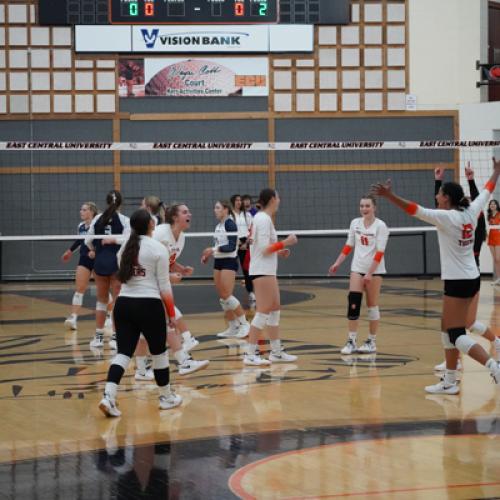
438	181
469	174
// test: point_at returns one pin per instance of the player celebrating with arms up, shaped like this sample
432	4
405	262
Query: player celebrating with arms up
368	236
455	220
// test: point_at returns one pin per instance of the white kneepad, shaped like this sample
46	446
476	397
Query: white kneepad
373	313
445	339
464	344
274	318
160	361
232	303
260	320
479	328
121	360
101	306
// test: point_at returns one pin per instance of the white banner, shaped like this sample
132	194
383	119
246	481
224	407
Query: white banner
194	39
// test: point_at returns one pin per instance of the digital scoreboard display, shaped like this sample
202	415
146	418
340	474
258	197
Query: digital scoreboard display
193	11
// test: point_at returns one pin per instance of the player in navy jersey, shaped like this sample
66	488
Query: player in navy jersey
145	297
88	211
455	220
225	254
116	227
368	236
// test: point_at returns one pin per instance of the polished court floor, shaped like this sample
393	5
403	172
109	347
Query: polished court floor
326	426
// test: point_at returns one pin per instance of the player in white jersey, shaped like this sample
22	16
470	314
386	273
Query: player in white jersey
368	236
155	207
171	235
264	250
455	220
144	298
225	254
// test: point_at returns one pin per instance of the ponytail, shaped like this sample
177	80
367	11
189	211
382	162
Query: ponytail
114	201
139	223
456	195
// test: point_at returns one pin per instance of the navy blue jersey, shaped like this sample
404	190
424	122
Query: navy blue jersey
84	249
105	255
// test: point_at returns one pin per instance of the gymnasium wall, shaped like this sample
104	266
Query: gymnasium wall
352	87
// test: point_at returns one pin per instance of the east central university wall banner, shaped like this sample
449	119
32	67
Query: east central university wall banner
197	77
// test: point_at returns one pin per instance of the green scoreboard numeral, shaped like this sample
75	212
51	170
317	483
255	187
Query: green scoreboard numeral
133	9
263	9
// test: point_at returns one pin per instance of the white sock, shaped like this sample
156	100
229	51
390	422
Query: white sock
180	356
353	336
110	389
275	346
73	316
99	331
242	319
165	390
372	337
496	343
234	324
450	377
251	348
140	363
491	364
186	335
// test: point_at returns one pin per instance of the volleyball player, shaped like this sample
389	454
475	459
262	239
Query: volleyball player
116	227
243	220
171	235
140	308
455	220
368	236
479	238
494	238
88	211
265	248
155	207
225	254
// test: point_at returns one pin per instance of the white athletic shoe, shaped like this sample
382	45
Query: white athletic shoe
282	357
189	344
191	366
367	347
108	407
243	331
255	360
98	340
170	401
349	348
442	388
108	324
70	323
112	342
147	375
442	366
495	375
496	282
229	332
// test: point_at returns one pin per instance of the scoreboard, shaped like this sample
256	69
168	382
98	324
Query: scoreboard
141	12
193	11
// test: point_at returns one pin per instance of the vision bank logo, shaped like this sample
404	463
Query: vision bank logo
150	38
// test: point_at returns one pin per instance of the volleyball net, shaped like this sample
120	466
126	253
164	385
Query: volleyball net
43	185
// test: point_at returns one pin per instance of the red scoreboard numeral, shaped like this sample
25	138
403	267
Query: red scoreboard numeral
149	9
239	9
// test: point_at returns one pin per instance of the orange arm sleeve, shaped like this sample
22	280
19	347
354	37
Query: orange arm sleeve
275	247
347	250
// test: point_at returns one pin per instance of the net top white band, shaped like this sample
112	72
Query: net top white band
240	146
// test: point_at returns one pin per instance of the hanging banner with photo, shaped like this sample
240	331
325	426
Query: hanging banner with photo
174	77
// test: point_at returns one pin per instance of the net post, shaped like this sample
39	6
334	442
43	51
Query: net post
425	275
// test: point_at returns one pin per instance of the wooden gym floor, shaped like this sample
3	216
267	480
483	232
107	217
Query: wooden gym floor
326	426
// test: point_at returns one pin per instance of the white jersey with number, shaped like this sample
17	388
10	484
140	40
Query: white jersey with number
455	230
163	233
367	241
262	235
151	273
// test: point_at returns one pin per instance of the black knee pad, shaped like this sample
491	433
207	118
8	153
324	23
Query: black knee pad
454	333
354	305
